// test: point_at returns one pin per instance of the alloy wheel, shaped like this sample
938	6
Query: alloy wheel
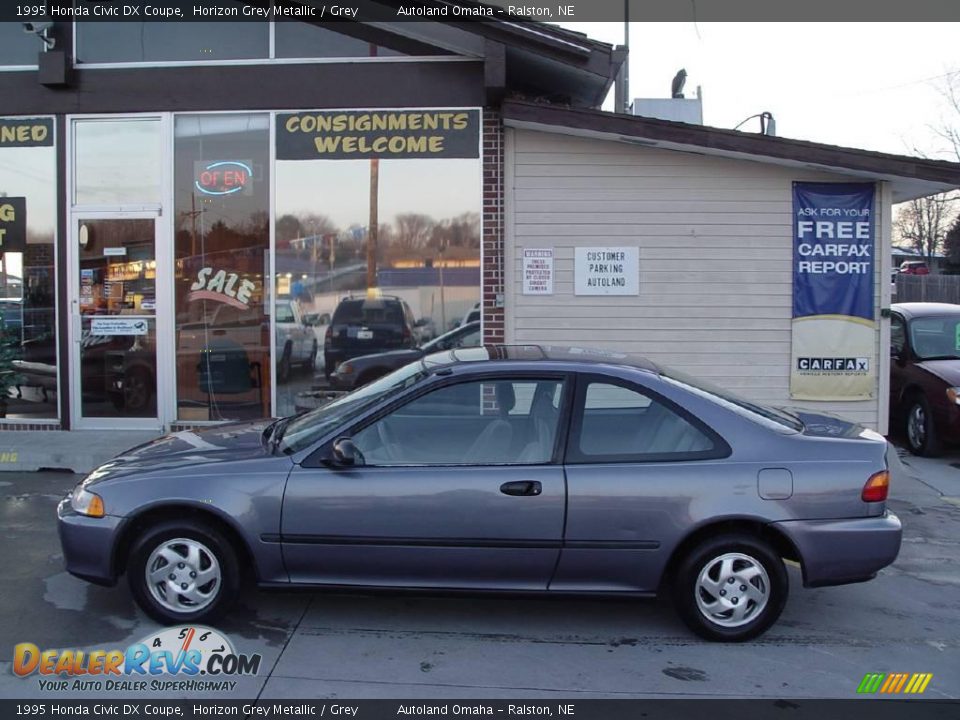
183	575
917	426
732	590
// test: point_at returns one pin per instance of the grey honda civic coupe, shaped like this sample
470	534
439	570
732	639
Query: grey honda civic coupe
513	468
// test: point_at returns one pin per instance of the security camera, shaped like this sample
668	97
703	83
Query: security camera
42	31
37	28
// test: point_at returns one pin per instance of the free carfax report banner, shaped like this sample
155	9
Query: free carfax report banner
834	327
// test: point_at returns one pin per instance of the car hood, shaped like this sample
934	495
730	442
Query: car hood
946	370
221	443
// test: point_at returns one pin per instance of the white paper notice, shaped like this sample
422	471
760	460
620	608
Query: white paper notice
114	325
538	271
606	271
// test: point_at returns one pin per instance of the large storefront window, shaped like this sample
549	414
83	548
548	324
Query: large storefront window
126	42
17	48
377	237
28	341
222	238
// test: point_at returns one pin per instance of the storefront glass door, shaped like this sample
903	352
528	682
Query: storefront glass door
114	348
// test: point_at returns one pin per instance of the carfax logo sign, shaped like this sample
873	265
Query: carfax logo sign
834	327
186	658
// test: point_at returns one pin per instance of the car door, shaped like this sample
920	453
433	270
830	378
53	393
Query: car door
636	465
899	351
459	487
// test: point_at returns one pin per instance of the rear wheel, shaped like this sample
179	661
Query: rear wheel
731	588
921	433
183	571
284	367
311	362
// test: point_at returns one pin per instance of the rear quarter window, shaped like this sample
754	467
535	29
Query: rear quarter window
625	423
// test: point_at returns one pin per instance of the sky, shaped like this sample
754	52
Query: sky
874	86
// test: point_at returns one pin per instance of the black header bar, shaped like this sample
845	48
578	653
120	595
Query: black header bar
437	709
552	11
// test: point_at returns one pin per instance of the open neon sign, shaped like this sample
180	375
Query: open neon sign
224	177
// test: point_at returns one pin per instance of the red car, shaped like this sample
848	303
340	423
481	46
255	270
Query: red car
925	374
914	267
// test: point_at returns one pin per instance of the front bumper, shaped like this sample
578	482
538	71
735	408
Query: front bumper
88	544
838	552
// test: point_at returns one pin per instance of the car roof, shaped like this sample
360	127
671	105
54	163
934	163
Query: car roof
537	353
925	309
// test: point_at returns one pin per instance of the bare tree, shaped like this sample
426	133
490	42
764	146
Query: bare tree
924	222
413	230
949	128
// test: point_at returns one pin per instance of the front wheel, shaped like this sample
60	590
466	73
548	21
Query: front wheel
182	572
731	588
921	432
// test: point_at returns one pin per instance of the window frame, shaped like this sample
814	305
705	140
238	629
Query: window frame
574	456
897	318
320	457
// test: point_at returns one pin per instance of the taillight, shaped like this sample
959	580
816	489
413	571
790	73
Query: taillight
877	487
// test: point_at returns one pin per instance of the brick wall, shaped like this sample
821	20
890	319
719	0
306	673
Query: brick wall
492	226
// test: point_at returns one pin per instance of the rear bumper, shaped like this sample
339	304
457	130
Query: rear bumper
838	552
88	544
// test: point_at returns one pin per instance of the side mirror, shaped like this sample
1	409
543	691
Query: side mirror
894	353
345	452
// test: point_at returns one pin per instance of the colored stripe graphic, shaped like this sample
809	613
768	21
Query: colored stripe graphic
893	683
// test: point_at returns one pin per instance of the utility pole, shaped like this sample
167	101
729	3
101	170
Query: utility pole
372	227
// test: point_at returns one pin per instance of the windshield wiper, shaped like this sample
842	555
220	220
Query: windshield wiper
941	357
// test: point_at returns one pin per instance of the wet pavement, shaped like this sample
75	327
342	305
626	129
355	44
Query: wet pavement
369	646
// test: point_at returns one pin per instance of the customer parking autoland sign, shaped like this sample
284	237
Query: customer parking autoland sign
834	326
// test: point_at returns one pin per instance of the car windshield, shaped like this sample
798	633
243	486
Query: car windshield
936	338
724	397
302	431
284	313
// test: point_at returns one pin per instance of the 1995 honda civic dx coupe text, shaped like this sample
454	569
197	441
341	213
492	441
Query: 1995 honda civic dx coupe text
498	468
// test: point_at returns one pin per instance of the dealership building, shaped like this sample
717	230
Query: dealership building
184	205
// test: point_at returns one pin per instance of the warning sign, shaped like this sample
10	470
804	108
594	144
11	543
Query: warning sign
538	271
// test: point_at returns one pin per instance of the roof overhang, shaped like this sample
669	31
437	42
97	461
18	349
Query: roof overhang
909	177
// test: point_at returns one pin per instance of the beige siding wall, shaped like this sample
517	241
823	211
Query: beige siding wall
715	257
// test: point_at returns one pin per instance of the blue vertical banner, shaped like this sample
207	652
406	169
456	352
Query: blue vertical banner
834	312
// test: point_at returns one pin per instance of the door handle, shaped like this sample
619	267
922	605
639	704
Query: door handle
521	488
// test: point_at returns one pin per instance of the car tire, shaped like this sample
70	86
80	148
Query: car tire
285	365
204	551
921	432
720	576
137	391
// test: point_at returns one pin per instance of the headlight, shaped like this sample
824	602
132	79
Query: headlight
344	369
86	503
953	395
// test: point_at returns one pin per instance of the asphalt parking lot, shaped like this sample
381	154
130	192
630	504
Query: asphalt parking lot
321	645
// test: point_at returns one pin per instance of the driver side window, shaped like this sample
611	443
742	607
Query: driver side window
488	422
898	333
